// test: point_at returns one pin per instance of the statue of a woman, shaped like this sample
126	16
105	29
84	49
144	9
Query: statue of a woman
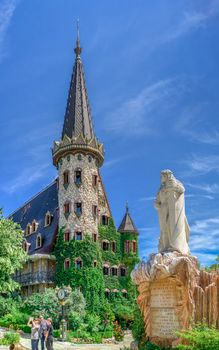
170	204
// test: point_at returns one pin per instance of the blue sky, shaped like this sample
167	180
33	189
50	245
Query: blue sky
152	75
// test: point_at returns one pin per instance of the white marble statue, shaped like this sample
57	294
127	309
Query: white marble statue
170	204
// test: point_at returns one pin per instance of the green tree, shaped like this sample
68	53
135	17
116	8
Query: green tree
12	255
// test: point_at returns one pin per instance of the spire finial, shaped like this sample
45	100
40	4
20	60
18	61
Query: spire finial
78	45
127	207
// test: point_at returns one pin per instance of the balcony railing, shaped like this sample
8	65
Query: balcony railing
35	277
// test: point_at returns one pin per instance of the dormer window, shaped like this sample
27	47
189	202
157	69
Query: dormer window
25	246
67	236
34	226
105	245
78	235
28	229
78	177
94	180
67	264
38	241
94	210
67	208
78	208
78	263
48	219
66	178
104	220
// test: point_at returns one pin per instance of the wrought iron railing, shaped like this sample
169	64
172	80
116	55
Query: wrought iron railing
35	277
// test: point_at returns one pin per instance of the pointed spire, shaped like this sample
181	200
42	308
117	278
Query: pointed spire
78	118
127	224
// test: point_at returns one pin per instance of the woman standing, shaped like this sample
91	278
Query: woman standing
35	327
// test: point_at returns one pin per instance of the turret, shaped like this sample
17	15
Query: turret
129	235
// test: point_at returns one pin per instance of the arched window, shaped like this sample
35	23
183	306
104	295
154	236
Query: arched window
134	246
67	264
34	226
104	220
78	208
127	246
123	271
106	269
66	177
115	291
78	263
94	180
95	263
67	207
94	210
48	219
78	177
78	235
107	293
105	245
113	245
114	271
28	229
94	237
124	293
26	246
67	235
38	241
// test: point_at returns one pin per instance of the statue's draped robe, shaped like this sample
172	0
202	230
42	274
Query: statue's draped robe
174	227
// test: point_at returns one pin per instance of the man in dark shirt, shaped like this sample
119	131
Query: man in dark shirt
49	335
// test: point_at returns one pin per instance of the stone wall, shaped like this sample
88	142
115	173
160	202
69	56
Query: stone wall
86	193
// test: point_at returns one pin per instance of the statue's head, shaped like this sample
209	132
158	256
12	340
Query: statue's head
166	175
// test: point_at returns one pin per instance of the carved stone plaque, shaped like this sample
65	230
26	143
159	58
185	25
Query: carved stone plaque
163	302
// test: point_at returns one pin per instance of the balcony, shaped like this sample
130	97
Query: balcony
35	278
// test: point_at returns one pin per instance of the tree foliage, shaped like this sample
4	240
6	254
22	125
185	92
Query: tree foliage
12	255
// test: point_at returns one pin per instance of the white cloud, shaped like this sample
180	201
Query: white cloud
192	21
213	189
7	9
144	199
135	116
201	165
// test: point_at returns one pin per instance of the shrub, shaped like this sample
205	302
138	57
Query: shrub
56	333
14	319
10	338
199	338
137	327
118	333
92	322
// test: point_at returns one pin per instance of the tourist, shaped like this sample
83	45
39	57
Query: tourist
43	329
49	335
35	327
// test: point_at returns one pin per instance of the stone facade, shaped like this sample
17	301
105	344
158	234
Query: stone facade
86	193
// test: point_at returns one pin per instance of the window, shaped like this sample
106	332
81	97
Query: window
78	236
104	220
78	177
48	218
125	293
28	229
34	226
95	237
78	263
134	246
67	264
38	241
67	208
94	210
94	180
78	208
107	293
95	263
113	245
67	236
79	157
105	245
127	246
123	271
114	271
106	270
26	246
66	177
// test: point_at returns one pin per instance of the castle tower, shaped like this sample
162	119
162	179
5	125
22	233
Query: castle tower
129	235
78	157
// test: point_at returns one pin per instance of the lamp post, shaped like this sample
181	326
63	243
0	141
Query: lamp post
63	294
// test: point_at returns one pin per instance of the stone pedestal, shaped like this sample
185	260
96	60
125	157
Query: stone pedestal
166	284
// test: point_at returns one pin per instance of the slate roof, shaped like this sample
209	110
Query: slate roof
36	209
127	224
78	114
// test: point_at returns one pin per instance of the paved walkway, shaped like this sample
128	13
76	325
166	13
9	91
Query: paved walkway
69	346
